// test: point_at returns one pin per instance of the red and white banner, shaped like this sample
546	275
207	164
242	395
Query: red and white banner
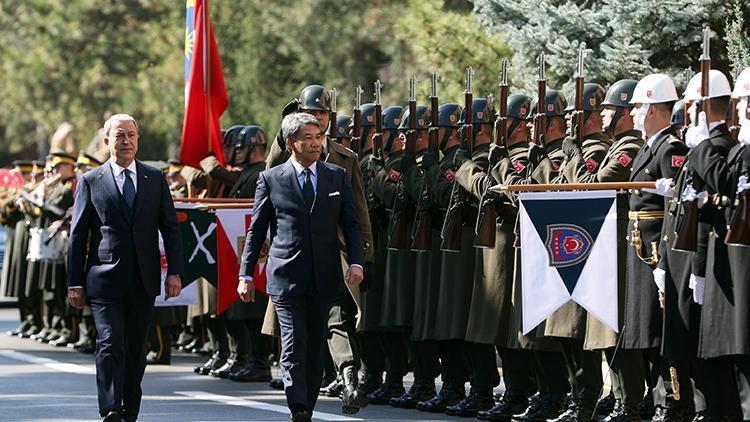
232	226
10	179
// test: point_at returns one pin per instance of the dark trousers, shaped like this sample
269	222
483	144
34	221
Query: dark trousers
343	342
483	366
121	326
396	345
455	366
551	372
373	353
217	333
518	370
628	374
303	323
742	365
257	344
720	387
690	379
584	371
424	361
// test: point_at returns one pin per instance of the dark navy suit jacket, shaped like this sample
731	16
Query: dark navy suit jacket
111	247
304	256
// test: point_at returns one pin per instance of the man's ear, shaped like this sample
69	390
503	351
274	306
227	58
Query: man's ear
289	144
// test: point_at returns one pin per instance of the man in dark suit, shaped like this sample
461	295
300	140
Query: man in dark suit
304	202
115	262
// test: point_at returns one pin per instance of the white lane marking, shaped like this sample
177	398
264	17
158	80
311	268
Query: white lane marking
48	363
233	401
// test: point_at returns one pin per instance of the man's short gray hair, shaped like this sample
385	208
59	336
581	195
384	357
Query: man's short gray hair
292	124
121	117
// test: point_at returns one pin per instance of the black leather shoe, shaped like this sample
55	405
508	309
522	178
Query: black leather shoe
61	341
510	404
606	405
624	413
251	374
276	384
23	326
578	411
670	414
191	346
112	417
352	399
228	368
646	406
301	417
418	392
541	408
214	362
471	405
40	334
332	389
32	331
448	396
153	358
370	382
385	393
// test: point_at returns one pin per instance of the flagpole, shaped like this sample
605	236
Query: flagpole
573	186
207	65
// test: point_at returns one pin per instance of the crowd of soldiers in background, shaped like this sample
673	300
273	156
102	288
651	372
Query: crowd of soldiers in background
451	310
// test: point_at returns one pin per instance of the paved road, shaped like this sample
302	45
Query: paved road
42	383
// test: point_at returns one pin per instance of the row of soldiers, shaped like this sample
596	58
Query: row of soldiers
681	352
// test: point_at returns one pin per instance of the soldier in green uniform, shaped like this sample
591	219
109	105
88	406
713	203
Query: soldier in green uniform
454	280
398	279
549	168
492	294
343	122
424	358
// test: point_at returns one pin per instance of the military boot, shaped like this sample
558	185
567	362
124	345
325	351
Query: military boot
419	391
333	388
624	413
23	326
217	360
252	373
510	404
352	399
449	395
578	411
606	405
542	406
232	365
646	406
370	382
476	402
386	392
276	384
670	414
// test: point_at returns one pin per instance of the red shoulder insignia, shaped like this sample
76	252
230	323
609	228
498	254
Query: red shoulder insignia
591	164
394	175
449	175
624	158
519	166
678	160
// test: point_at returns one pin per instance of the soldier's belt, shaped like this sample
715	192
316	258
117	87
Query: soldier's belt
645	215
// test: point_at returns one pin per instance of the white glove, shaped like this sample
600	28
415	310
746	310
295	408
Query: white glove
742	184
659	278
698	284
690	195
744	135
697	134
664	187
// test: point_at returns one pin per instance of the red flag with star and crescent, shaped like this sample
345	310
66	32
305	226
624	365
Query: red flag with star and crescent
205	92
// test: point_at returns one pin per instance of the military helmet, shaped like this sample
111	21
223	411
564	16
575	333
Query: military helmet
593	95
519	106
230	135
483	112
449	114
742	84
342	126
315	97
653	89
718	86
678	113
555	103
367	115
392	117
620	93
423	118
250	136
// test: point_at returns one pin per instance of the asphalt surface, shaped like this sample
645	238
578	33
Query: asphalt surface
42	383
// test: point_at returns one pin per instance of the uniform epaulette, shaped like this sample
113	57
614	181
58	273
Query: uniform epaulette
674	140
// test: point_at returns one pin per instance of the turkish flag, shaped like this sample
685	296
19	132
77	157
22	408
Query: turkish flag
205	92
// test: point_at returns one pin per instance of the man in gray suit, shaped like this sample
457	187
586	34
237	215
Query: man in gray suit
113	261
304	202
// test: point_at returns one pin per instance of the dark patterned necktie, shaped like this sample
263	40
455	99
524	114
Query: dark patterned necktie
308	193
128	190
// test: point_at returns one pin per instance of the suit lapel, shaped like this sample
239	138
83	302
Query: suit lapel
642	158
291	179
108	179
141	189
321	194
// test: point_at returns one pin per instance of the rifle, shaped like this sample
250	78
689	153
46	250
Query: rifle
484	229
332	119
686	236
734	121
578	114
422	233
356	140
377	138
739	227
399	221
540	118
451	230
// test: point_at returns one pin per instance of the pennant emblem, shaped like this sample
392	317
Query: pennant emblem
624	159
449	175
518	166
591	165
480	114
567	244
678	160
393	174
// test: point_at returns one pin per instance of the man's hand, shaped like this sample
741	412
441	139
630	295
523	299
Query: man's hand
173	286
354	275
76	297
697	134
246	289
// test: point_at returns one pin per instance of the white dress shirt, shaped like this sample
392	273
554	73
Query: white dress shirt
299	168
651	140
119	173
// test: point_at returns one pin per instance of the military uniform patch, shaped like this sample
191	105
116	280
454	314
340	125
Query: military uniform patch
624	159
519	166
678	160
394	175
591	164
449	175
